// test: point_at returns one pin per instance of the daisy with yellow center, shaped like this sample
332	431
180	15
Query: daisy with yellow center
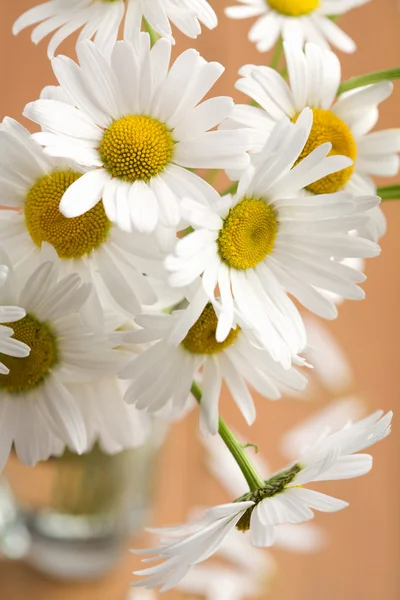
271	238
297	21
140	127
284	499
344	121
41	396
235	360
33	185
101	20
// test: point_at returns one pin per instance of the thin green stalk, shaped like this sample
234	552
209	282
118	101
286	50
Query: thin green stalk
236	449
276	57
212	176
389	192
376	77
153	35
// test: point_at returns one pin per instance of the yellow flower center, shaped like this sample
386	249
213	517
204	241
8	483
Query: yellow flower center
248	234
27	373
200	338
136	148
327	127
294	8
72	238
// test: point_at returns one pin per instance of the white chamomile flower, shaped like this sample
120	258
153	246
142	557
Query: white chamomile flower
235	361
8	314
38	412
270	238
101	19
141	128
304	538
345	120
183	547
32	185
296	20
284	499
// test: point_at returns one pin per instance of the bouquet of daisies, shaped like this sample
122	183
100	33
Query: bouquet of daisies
131	287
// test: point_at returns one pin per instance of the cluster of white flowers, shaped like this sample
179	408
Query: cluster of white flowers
129	281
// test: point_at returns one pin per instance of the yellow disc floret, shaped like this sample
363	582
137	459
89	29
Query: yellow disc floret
327	127
72	238
201	336
27	373
136	148
248	233
294	8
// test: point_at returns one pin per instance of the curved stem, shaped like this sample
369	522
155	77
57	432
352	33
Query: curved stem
276	57
376	77
235	447
389	192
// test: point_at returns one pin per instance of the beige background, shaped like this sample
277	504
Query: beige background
361	561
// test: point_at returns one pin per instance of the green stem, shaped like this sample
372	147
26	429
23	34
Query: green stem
389	192
235	447
276	57
153	35
212	176
376	77
231	189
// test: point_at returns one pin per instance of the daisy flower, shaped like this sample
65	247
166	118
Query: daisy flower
296	20
184	547
142	127
334	456
270	238
282	500
101	19
235	361
39	414
9	314
32	185
303	538
345	120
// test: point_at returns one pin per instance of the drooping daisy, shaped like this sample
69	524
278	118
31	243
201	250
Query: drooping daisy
270	239
183	547
235	361
282	500
333	457
8	314
101	19
304	538
345	120
38	412
296	20
32	185
141	126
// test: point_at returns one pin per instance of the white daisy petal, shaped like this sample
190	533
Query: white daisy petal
85	193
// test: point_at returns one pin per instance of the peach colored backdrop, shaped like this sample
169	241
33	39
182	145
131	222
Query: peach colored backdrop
362	559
